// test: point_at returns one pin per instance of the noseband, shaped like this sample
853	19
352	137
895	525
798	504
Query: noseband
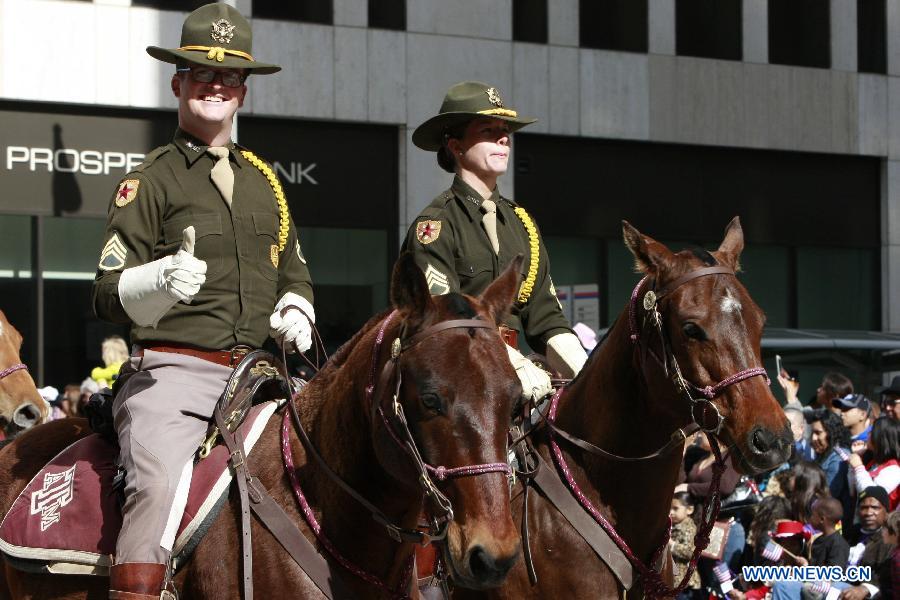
12	369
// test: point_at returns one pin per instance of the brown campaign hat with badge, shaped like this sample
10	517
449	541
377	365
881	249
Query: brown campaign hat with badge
465	101
215	35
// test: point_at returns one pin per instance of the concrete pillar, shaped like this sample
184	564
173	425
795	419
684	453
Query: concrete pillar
756	31
661	26
843	35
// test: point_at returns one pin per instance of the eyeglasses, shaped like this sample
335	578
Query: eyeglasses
230	79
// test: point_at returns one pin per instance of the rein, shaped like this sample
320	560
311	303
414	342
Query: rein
655	586
439	524
12	369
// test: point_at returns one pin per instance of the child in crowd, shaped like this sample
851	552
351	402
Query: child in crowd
681	542
829	549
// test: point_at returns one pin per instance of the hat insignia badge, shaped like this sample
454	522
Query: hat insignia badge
493	95
222	31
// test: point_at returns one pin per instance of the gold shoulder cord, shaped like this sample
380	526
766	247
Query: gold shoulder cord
528	284
284	215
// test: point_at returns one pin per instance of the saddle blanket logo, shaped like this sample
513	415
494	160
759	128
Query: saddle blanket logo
58	491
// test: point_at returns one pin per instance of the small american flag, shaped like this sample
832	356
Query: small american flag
772	551
723	573
842	453
820	587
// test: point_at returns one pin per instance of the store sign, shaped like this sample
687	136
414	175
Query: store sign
67	161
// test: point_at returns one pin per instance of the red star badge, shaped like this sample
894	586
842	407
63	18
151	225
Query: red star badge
428	231
127	192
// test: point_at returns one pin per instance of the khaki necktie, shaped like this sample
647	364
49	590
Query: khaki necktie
222	175
489	208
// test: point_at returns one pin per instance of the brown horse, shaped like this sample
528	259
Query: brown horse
624	403
457	393
21	406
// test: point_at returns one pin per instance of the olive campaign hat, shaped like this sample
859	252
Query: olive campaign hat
215	35
464	102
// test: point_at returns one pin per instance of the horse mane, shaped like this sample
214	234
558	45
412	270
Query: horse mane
704	256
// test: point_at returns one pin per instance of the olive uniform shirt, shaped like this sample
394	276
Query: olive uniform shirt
451	246
243	282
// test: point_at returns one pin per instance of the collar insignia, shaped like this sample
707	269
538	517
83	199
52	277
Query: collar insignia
222	31
493	95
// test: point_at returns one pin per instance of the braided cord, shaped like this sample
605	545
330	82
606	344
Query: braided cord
284	218
528	285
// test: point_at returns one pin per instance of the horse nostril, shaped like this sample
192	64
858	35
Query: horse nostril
761	440
486	568
26	416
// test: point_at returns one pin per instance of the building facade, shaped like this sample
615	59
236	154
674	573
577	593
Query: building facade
673	114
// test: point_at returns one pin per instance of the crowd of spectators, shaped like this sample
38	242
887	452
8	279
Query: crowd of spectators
833	504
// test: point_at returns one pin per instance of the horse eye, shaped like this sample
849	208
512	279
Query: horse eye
432	402
692	330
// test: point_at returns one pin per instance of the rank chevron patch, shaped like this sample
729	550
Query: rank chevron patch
113	255
438	284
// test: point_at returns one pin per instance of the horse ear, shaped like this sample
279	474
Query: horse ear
650	256
499	296
733	244
409	290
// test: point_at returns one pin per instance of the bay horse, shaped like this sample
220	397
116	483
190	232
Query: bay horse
627	403
21	407
457	394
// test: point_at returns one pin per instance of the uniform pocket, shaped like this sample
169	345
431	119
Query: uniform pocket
266	227
475	273
208	246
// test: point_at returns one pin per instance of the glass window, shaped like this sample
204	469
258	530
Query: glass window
179	5
351	278
613	24
530	21
709	28
799	33
871	36
838	288
17	287
387	14
71	247
15	246
766	273
307	11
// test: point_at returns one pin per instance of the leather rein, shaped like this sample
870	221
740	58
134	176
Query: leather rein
700	399
394	420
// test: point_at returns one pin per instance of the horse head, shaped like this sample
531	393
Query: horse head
708	336
21	407
458	393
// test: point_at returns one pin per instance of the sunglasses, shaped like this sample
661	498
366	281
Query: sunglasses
231	79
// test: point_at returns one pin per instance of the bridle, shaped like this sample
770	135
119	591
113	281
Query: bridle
700	400
395	422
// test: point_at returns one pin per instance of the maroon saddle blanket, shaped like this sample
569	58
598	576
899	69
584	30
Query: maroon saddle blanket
68	517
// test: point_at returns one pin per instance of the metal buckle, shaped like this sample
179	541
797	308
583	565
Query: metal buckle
240	454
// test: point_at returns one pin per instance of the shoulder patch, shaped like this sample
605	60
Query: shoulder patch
127	192
428	231
150	158
438	284
113	255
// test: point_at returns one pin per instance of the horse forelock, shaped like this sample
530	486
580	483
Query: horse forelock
459	305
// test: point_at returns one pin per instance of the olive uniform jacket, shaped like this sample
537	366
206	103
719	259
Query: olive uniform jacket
451	246
246	273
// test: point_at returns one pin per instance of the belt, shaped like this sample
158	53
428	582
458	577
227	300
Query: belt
510	336
226	358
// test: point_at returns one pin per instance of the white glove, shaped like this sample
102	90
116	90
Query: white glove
147	292
535	381
566	354
293	328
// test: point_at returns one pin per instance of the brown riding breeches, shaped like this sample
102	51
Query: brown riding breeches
161	417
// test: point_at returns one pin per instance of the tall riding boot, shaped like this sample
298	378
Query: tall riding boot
136	581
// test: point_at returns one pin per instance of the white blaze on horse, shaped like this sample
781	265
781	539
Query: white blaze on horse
21	406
